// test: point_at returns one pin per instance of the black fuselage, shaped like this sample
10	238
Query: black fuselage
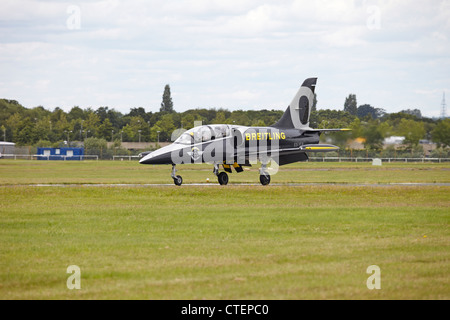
243	145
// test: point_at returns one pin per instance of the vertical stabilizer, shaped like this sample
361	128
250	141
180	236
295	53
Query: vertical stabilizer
298	112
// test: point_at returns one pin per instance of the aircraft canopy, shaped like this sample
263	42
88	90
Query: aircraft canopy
204	134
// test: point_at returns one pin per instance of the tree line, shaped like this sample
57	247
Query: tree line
39	126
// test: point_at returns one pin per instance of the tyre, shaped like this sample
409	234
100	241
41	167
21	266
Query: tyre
265	180
178	180
223	178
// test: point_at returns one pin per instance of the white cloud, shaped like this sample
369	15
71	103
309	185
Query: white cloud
233	53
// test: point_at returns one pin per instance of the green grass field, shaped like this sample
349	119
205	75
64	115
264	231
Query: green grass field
224	242
14	172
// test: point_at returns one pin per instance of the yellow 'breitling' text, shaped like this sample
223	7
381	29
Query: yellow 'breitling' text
265	136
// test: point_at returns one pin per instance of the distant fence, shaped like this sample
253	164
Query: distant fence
341	159
388	160
312	159
124	157
47	157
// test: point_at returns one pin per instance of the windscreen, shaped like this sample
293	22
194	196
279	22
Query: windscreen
204	134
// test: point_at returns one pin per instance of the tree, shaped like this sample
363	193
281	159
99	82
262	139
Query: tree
189	119
95	146
91	124
116	118
111	114
366	110
166	126
441	133
75	113
137	127
43	144
258	123
412	130
314	106
105	130
13	125
327	119
42	129
102	113
3	133
139	112
357	128
8	108
373	135
166	104
239	117
414	112
25	135
220	117
350	104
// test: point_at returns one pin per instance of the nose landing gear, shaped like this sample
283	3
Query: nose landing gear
178	180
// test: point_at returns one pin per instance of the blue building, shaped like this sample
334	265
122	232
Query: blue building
60	153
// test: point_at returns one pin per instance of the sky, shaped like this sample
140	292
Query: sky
232	54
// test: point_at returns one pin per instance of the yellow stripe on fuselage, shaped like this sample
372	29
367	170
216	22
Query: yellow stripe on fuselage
320	148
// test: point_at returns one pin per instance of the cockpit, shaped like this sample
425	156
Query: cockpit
204	134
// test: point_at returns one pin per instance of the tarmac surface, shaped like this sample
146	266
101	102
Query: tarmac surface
405	184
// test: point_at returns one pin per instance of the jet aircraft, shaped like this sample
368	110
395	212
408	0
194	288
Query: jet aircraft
234	146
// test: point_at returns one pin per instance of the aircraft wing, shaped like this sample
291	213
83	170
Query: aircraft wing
302	149
318	148
290	155
328	130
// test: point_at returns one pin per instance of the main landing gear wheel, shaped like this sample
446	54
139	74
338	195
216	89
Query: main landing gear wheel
178	180
264	179
223	178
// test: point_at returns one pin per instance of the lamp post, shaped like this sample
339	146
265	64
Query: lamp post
68	141
139	135
81	131
112	135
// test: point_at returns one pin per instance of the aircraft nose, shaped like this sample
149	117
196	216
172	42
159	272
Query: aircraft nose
161	156
157	157
146	159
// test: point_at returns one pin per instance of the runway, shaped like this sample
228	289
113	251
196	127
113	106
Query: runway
131	185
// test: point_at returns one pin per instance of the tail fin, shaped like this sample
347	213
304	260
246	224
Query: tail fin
297	114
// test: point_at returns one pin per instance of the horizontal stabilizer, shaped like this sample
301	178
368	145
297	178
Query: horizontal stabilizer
318	148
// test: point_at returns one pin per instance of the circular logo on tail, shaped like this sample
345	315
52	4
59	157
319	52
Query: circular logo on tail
303	108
